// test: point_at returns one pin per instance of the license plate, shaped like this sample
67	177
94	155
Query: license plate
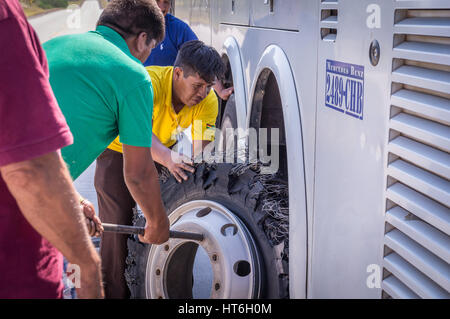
344	90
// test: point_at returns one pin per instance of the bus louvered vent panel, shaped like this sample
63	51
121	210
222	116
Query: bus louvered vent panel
417	241
329	20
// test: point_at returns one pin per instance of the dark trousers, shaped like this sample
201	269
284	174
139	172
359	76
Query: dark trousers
115	205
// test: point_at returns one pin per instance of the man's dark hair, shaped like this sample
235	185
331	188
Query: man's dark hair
131	17
196	57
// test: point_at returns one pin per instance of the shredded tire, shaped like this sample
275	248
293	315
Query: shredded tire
260	201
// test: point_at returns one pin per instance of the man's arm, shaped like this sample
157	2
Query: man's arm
174	162
160	152
142	181
44	192
198	146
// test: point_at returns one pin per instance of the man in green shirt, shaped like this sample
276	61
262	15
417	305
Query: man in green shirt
104	91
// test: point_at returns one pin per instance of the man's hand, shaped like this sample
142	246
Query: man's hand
93	223
177	164
223	93
156	231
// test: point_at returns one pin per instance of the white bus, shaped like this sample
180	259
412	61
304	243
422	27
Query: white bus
359	90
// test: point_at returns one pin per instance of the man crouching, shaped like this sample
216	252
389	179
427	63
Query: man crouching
182	98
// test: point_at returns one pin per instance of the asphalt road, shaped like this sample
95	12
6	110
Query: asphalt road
67	21
84	19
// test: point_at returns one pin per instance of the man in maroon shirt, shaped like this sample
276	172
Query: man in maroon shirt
40	214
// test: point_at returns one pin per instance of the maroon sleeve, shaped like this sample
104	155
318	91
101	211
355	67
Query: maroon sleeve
31	123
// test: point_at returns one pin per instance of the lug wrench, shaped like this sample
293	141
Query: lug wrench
135	230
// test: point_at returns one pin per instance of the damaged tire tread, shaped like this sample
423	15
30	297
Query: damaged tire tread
260	201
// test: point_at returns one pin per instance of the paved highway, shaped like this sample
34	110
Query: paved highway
67	21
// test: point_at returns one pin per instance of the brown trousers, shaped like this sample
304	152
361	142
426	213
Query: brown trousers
115	205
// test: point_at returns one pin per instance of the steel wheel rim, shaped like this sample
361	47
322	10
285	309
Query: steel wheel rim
228	243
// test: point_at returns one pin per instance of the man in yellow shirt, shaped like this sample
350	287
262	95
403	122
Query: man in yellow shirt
171	117
182	97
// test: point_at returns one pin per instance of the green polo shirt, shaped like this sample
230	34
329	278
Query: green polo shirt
102	90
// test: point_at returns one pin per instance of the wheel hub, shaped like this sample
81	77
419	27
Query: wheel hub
228	243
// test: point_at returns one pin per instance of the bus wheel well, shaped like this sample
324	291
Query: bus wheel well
267	112
227	82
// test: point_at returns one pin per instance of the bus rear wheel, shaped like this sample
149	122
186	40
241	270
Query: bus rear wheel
245	242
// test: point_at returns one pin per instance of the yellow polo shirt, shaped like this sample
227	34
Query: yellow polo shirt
166	123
